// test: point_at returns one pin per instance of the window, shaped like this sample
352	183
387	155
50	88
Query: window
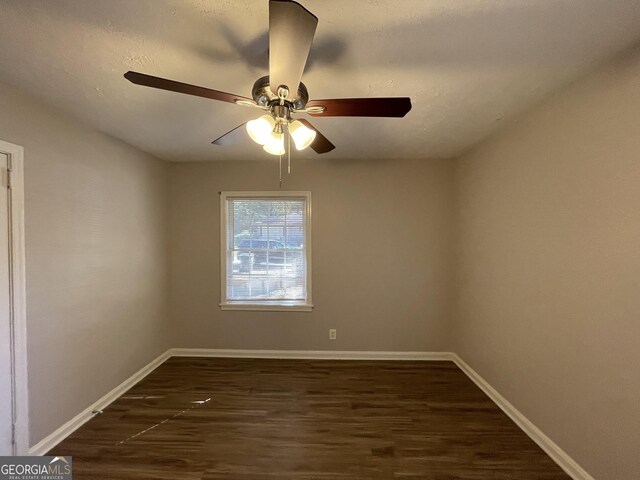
266	250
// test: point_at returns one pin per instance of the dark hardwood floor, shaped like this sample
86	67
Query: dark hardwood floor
252	419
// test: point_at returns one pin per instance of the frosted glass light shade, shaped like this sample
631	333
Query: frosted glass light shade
301	135
260	129
275	144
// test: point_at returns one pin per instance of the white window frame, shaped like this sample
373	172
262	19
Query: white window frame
274	306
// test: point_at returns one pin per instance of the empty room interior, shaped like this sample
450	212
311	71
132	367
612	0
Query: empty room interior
394	239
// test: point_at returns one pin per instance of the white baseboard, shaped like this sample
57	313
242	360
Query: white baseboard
51	440
564	461
311	354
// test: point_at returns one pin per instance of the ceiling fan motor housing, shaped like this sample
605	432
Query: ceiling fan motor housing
264	97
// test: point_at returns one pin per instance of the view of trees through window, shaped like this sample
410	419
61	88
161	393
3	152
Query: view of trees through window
266	251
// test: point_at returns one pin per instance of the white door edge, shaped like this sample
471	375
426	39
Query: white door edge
18	304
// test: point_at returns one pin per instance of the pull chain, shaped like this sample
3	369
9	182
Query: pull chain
280	164
289	152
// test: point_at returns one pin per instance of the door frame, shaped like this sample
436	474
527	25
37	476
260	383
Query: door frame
18	296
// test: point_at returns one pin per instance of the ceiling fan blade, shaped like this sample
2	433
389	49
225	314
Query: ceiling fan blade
231	137
291	31
173	86
321	144
362	107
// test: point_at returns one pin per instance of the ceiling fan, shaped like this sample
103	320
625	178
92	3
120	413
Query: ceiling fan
281	95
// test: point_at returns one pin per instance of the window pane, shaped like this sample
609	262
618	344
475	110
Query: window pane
294	237
266	258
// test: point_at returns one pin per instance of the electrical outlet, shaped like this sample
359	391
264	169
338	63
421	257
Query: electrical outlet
332	334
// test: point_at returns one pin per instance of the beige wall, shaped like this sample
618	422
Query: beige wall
548	273
381	256
96	248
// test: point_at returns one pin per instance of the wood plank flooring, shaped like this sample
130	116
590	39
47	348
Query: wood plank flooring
255	419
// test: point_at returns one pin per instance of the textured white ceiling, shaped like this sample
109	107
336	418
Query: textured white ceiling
466	64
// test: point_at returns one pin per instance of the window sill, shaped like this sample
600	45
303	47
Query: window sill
267	307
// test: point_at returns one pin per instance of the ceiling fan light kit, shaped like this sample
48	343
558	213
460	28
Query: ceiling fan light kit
281	94
301	135
275	144
268	130
260	129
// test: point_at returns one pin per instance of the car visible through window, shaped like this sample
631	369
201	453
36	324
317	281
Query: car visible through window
254	252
